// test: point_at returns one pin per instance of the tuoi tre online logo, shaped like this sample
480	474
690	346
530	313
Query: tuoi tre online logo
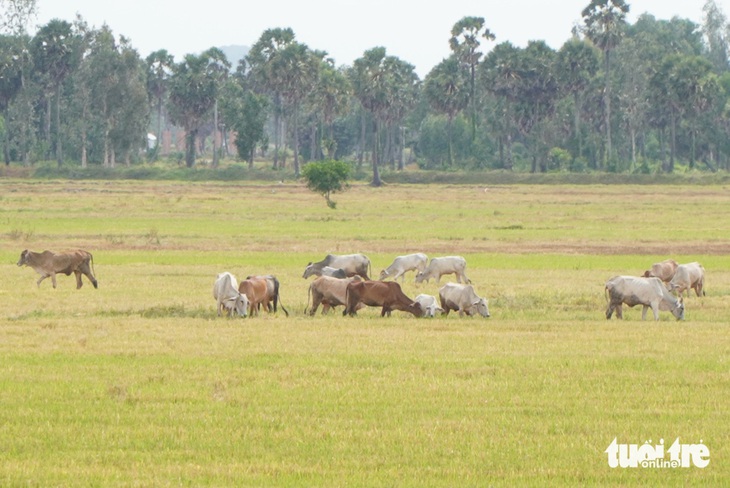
654	456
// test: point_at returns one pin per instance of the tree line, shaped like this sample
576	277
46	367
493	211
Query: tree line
645	97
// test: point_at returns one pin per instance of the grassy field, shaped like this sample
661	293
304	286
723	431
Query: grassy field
139	383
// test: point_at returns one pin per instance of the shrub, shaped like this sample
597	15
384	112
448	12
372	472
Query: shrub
326	177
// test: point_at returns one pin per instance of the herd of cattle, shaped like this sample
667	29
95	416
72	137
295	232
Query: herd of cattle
344	280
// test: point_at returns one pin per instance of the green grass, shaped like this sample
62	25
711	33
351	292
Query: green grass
139	383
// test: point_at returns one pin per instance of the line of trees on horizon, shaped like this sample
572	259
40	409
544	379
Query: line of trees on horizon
652	96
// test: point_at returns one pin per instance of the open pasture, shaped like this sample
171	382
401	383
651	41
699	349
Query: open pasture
139	383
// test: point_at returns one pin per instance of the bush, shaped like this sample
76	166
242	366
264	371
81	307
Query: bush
326	177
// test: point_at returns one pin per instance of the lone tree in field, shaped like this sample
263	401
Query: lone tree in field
327	177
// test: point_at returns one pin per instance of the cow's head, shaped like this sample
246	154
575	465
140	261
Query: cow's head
308	271
383	275
23	258
678	309
416	309
481	307
420	276
431	310
241	305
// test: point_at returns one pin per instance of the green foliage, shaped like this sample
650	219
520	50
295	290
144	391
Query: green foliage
326	177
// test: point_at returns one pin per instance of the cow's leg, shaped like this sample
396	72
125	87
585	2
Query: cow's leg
655	309
609	311
53	279
43	277
643	311
79	284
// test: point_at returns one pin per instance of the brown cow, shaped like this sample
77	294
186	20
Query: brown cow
330	292
664	270
272	292
49	263
257	292
386	294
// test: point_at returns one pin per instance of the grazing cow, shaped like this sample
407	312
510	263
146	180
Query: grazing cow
402	264
429	305
330	292
385	294
257	292
227	296
49	263
351	264
463	299
272	292
445	265
690	275
664	270
649	292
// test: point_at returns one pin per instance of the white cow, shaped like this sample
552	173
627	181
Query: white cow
429	305
649	292
463	299
352	264
402	264
690	275
445	265
227	296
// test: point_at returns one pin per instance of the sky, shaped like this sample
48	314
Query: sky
410	30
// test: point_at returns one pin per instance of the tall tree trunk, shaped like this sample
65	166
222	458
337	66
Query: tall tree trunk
363	134
47	127
672	142
450	136
190	138
277	130
607	102
6	142
375	152
576	123
215	133
296	142
59	147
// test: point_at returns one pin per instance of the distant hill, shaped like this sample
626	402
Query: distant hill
234	54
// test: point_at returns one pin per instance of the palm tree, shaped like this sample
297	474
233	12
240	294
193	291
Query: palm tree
604	20
260	60
192	96
464	43
446	90
385	86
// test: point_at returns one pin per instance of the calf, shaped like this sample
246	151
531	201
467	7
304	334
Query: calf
445	265
402	264
429	305
690	275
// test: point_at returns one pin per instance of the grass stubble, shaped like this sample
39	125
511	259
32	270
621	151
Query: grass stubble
139	383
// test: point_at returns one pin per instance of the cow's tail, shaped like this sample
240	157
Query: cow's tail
286	312
93	271
309	295
347	303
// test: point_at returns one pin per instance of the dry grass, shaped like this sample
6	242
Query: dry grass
139	383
